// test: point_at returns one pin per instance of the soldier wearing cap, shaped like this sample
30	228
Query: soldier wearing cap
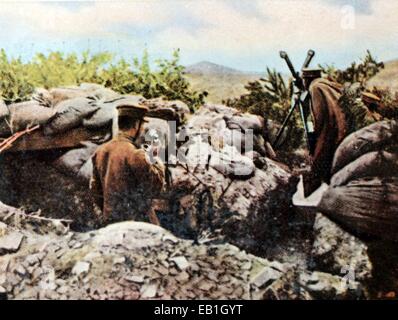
124	180
330	126
373	104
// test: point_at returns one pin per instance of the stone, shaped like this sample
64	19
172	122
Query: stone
119	260
20	270
205	285
3	293
32	260
149	291
136	279
181	262
182	277
338	252
326	286
171	238
162	270
265	277
3	279
81	268
11	242
3	229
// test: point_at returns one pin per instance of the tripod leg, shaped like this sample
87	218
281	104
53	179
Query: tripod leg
278	136
305	126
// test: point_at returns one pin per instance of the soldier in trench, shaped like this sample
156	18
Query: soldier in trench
125	181
330	126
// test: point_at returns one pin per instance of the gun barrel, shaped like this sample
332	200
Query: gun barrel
284	56
310	55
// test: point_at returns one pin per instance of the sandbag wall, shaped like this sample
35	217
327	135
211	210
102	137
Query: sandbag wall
229	194
363	194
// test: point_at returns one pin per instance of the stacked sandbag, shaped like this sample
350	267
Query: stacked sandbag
175	110
22	115
363	194
77	162
70	114
228	126
215	187
97	91
107	110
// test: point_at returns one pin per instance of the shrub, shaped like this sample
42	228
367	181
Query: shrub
16	84
355	73
18	79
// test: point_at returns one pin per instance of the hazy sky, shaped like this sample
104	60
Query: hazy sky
245	35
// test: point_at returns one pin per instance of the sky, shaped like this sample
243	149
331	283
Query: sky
245	34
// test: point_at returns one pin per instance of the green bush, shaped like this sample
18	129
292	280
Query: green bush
356	72
354	79
15	82
18	79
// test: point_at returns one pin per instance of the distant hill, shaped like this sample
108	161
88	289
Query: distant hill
386	78
219	81
206	67
222	82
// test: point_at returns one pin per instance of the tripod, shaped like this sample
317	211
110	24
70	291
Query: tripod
300	100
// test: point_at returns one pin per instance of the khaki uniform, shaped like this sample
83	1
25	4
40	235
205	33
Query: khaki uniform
124	181
330	128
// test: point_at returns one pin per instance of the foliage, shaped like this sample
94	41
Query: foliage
356	113
389	103
361	72
15	84
355	79
57	69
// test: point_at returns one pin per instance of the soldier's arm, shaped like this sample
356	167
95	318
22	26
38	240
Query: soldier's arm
153	173
320	159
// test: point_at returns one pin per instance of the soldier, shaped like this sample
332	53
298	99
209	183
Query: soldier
124	180
330	126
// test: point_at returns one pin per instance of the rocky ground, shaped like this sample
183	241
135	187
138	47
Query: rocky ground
135	260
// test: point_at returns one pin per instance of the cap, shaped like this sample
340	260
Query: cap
369	97
137	111
311	72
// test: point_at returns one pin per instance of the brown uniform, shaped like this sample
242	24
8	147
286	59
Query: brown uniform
330	128
124	181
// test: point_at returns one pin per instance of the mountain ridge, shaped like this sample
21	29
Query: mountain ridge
209	68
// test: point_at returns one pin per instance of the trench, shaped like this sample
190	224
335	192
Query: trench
29	181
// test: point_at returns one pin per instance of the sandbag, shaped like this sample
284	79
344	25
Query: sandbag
366	206
28	114
5	129
232	164
43	97
245	122
86	171
167	110
103	94
73	160
62	94
102	117
70	114
3	109
162	129
371	138
180	108
217	108
371	164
